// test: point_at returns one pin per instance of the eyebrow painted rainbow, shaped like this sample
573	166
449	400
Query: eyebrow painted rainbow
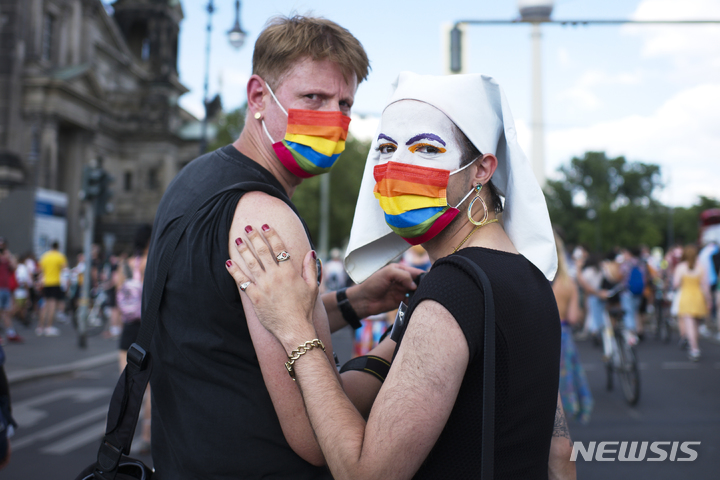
383	136
425	136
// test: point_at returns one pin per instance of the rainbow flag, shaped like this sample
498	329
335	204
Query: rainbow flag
414	200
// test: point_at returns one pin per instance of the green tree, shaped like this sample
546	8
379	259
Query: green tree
602	202
686	221
229	125
345	179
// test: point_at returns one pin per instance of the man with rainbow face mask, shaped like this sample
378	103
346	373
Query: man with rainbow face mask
224	404
444	153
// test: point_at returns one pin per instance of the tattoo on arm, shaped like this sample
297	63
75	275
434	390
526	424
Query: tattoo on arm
560	429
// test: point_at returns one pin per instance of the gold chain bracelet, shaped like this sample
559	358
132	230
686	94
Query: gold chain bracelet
301	350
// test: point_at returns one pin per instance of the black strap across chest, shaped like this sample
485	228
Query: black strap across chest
488	413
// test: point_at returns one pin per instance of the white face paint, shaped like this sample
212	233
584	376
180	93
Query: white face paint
416	133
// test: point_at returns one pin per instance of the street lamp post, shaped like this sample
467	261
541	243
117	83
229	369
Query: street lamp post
538	125
236	37
537	12
203	132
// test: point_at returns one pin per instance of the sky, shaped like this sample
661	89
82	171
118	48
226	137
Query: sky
650	93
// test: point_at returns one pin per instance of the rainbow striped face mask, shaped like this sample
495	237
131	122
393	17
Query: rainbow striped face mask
414	199
313	141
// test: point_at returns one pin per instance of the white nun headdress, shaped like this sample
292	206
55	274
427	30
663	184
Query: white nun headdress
477	105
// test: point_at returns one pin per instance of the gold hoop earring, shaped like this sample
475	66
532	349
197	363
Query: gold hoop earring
484	221
258	115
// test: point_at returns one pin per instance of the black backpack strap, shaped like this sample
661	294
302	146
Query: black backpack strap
488	416
127	398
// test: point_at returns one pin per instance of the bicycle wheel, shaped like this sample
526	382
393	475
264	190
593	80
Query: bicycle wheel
664	327
628	371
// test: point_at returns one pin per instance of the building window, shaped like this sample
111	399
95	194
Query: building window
145	50
153	179
127	181
47	37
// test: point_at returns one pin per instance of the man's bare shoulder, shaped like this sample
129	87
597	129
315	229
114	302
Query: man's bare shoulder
259	208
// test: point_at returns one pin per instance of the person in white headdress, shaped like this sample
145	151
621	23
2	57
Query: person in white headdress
444	154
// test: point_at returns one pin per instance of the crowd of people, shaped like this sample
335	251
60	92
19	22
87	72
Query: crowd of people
681	283
241	306
38	293
32	290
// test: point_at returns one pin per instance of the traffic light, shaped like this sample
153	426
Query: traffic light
91	183
103	200
96	188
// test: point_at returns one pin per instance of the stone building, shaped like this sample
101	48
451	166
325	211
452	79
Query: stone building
82	82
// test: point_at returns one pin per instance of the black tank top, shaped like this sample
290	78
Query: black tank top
527	334
212	414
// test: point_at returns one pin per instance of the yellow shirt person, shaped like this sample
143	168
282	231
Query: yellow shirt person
52	262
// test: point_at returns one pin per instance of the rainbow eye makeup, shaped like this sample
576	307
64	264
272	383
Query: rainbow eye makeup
427	148
389	146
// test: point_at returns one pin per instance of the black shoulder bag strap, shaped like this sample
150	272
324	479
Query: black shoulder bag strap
127	398
488	415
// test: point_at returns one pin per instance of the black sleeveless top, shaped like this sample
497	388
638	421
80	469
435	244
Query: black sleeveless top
212	414
527	334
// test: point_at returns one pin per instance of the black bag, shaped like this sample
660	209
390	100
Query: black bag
128	469
112	460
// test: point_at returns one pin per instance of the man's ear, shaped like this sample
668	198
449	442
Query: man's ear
256	95
485	168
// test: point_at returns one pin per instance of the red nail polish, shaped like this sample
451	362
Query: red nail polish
265	227
228	263
238	241
248	229
314	255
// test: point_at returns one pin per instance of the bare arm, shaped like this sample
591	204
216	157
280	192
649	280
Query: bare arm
705	287
382	292
410	411
584	284
573	313
677	276
413	404
13	261
284	393
361	387
559	465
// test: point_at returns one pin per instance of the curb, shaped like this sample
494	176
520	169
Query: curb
35	373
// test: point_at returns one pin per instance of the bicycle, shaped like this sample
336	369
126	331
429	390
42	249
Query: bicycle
619	355
98	313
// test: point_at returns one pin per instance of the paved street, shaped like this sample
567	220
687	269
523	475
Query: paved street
60	397
61	421
679	401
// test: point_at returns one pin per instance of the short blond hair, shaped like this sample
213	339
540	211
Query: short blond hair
286	40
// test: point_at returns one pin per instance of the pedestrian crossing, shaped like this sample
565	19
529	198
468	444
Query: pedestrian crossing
67	435
84	437
63	428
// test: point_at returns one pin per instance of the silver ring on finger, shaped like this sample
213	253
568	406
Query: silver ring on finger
282	256
245	285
